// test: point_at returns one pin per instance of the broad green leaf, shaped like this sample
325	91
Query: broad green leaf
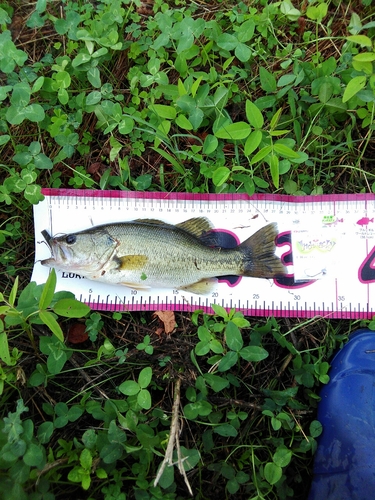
71	308
335	105
272	473
129	388
220	176
220	311
285	80
282	456
267	80
4	348
363	40
195	86
325	92
254	115
144	399
226	430
93	76
252	142
362	66
116	147
285	151
233	337
144	377
20	95
13	292
85	459
275	119
274	166
190	458
216	383
80	59
38	84
41	6
204	334
261	154
227	41
317	13
245	31
62	79
42	162
210	144
234	131
192	410
243	52
126	125
49	320
34	113
34	456
15	115
284	167
202	348
167	478
291	12
316	428
196	117
45	431
48	290
33	193
353	87
93	98
163	111
4	139
365	57
253	353
63	95
229	360
182	122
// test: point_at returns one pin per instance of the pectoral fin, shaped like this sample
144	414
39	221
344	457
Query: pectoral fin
136	286
131	262
202	287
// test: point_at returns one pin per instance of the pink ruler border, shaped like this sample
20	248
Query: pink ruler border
152	195
276	311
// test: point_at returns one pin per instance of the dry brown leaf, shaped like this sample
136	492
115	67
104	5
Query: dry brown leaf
168	319
77	333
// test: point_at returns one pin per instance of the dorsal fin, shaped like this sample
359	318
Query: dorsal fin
197	226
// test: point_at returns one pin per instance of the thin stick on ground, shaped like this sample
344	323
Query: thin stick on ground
174	441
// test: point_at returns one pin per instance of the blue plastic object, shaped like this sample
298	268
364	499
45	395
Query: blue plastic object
344	466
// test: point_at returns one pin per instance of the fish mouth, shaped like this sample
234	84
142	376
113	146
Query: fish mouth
61	255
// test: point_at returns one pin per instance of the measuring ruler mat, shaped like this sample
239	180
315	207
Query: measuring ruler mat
326	242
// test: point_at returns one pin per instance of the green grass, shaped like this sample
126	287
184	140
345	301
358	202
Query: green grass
215	97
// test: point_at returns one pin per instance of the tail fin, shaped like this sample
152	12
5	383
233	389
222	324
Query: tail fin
259	259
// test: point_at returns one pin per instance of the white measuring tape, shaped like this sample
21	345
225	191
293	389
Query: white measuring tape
331	271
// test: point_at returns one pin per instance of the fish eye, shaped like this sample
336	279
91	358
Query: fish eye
70	239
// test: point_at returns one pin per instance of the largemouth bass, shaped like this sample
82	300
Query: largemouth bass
147	253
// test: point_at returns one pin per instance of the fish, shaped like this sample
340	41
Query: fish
149	253
364	221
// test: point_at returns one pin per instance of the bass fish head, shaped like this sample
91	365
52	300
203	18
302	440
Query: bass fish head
85	251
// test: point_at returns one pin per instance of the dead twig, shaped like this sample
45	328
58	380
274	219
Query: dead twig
174	441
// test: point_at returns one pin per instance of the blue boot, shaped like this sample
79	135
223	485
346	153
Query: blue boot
344	466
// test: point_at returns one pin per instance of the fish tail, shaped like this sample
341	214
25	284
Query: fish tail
259	259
